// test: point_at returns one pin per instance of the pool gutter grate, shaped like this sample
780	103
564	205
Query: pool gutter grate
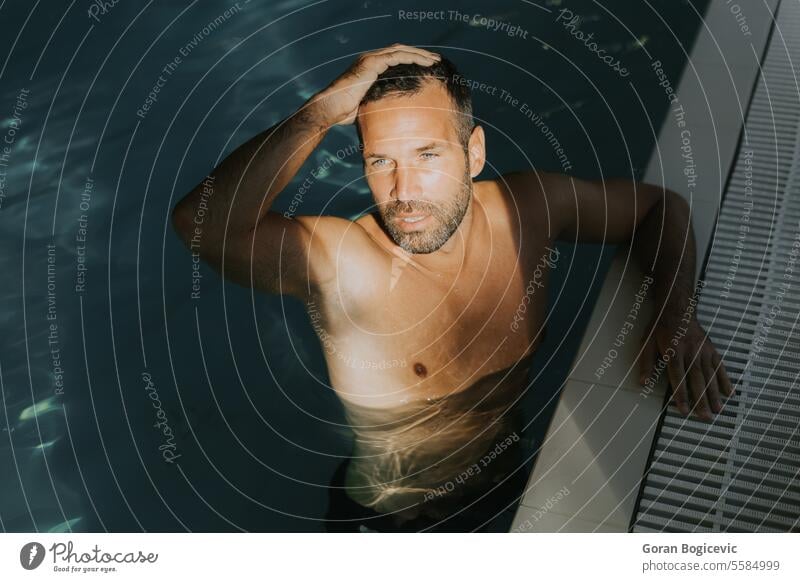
741	473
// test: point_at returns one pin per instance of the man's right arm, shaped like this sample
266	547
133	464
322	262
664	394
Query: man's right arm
226	218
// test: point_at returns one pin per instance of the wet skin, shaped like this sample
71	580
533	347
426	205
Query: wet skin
461	348
406	331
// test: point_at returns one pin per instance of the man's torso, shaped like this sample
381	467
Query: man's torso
417	335
431	366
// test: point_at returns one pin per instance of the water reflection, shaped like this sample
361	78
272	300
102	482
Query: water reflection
425	461
88	460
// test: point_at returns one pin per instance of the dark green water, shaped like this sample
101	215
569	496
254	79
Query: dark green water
101	325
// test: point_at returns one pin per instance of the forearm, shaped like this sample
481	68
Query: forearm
665	248
241	189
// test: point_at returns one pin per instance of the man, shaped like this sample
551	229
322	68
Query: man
431	305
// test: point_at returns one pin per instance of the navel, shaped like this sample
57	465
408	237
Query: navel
420	370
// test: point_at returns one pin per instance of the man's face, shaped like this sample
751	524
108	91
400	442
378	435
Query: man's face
416	167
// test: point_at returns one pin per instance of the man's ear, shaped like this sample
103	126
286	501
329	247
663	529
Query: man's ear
476	150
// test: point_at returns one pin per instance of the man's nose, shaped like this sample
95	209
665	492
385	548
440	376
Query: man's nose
406	182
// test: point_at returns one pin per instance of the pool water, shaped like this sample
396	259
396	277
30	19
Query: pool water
139	391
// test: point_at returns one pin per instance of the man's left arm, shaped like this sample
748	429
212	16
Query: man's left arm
657	223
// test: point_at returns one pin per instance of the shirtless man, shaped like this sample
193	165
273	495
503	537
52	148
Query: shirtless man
435	275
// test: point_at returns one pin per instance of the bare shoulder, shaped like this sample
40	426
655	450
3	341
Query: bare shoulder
527	187
350	256
344	246
521	194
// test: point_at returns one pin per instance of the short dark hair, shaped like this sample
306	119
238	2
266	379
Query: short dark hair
407	79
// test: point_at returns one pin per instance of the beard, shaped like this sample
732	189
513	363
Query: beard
446	219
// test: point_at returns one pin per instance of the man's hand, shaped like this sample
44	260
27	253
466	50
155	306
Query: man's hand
340	100
692	360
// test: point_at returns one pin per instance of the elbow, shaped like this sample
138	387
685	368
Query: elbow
676	198
671	214
679	206
662	199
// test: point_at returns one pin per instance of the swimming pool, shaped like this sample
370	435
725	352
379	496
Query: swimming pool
142	393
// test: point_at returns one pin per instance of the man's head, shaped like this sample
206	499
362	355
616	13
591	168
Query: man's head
421	151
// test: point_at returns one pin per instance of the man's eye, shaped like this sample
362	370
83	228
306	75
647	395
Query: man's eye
431	154
378	162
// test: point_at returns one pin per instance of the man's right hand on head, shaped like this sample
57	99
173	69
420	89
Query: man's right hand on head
338	103
280	253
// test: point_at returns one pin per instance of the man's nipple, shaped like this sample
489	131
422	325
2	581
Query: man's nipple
420	370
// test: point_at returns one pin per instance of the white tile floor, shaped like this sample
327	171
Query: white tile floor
530	520
589	468
723	38
595	453
712	150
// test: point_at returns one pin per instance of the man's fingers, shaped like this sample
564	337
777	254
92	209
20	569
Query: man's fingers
407	48
713	385
677	380
379	63
398	54
406	57
697	384
722	376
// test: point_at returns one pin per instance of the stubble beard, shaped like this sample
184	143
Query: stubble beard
446	217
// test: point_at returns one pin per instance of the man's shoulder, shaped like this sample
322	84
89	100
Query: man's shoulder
334	231
519	191
529	184
351	249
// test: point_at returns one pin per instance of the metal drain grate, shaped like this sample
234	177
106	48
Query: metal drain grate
742	473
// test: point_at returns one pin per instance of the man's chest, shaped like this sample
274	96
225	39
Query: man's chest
491	316
425	337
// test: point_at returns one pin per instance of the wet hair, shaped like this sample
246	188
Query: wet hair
407	79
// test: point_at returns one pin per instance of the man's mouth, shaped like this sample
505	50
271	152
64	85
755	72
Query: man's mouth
412	218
